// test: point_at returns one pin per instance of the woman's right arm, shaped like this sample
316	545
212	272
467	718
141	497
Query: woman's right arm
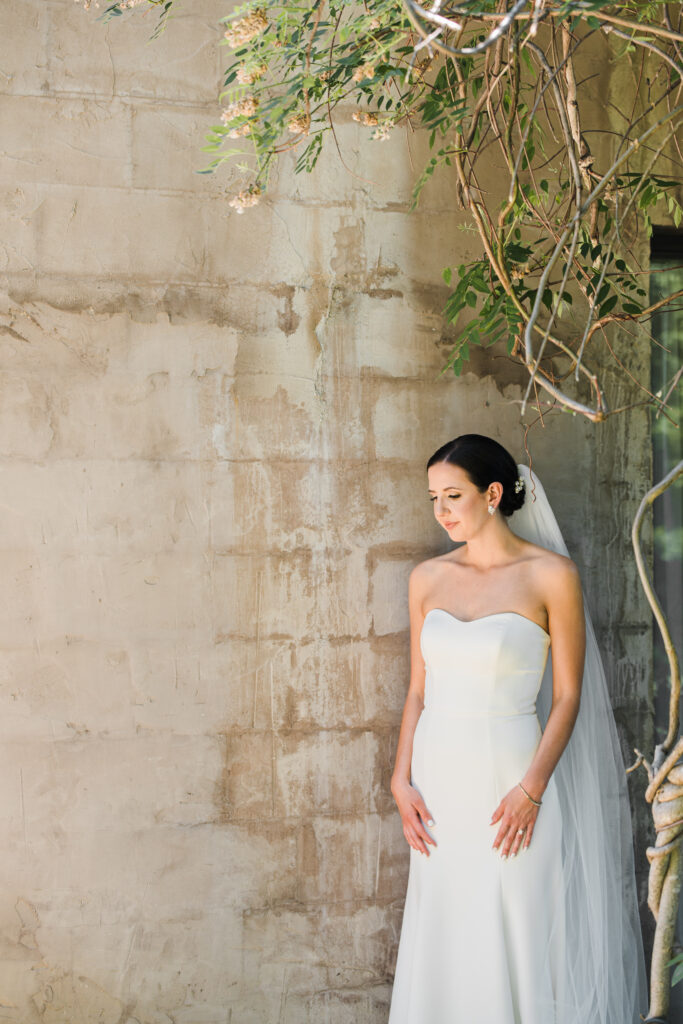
410	804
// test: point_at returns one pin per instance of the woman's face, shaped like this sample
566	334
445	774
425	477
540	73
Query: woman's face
458	505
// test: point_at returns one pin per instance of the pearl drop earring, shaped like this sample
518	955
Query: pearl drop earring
491	510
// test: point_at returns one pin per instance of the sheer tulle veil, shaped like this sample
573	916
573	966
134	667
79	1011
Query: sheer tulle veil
602	974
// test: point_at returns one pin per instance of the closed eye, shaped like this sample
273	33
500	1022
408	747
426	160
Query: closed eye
448	496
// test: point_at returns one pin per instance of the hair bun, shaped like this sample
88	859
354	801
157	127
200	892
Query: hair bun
513	497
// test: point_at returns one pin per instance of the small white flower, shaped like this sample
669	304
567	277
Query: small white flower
362	72
247	74
246	28
247	197
299	124
244	107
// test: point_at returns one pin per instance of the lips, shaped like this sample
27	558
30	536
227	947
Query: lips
449	526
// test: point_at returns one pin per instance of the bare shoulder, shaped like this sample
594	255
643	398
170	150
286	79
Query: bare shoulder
424	571
558	579
544	559
424	574
554	567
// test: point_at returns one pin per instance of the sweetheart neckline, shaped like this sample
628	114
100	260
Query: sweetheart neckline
493	615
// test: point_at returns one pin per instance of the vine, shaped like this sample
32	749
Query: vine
559	263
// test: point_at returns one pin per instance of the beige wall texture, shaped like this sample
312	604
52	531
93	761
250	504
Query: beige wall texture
213	434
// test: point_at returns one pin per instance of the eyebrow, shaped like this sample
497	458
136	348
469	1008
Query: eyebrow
453	487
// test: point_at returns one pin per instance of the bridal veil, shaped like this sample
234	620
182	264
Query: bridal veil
601	964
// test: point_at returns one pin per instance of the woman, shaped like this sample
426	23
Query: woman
521	905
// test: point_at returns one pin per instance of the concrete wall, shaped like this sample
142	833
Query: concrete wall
212	447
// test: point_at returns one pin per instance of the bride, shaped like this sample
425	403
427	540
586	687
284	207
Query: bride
521	902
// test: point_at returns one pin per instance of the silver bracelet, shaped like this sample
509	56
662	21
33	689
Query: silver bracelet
537	802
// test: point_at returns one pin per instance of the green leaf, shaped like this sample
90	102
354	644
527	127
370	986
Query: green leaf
517	253
447	273
603	293
608	306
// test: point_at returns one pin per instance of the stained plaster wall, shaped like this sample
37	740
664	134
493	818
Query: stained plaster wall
213	432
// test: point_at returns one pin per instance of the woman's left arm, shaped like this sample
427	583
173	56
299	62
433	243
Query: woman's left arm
564	602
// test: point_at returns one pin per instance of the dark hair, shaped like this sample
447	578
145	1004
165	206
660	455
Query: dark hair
485	462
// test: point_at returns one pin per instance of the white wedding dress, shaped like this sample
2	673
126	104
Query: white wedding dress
482	938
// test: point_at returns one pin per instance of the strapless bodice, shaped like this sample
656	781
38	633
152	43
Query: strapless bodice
492	665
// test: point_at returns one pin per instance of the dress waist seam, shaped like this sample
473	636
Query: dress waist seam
481	714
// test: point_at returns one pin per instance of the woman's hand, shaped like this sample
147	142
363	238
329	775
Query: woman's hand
413	812
517	812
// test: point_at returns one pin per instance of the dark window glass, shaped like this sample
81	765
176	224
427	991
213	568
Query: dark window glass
667	451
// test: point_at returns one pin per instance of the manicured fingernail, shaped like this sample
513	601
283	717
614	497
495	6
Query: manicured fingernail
505	856
431	821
